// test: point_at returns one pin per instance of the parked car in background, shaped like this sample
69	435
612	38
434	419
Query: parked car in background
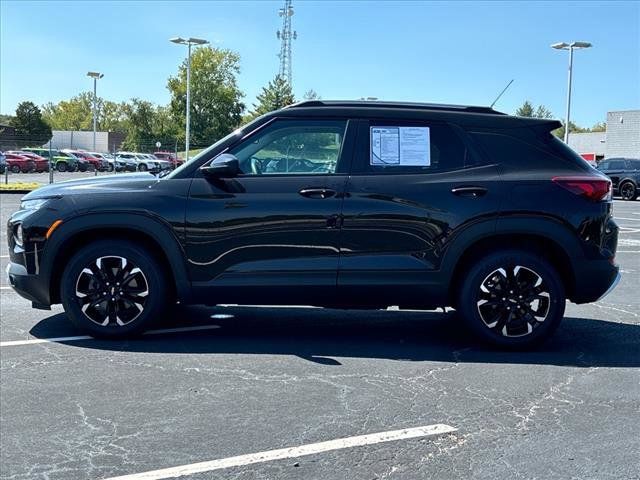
142	164
82	164
19	163
624	174
3	163
169	157
41	163
95	163
57	160
160	164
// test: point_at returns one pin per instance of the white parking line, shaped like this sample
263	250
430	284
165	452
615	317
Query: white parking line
291	452
33	341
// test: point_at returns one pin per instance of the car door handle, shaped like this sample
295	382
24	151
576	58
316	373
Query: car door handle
317	192
471	191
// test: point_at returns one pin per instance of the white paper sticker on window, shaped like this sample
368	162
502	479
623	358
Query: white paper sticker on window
400	146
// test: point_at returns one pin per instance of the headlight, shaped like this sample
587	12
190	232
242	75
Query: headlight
18	235
33	204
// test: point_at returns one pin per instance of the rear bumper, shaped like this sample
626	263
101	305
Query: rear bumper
594	280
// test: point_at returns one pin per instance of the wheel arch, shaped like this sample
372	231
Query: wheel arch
547	238
158	238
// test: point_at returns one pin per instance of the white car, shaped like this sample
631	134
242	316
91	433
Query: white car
143	164
162	164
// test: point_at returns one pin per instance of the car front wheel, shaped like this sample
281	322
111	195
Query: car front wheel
113	289
142	167
512	299
628	191
61	166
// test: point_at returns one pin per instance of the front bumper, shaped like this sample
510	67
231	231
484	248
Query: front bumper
28	286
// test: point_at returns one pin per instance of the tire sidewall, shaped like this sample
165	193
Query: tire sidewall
156	300
469	295
635	191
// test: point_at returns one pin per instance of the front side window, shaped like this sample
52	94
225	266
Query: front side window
293	147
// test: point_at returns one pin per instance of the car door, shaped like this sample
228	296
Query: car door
399	217
270	234
614	168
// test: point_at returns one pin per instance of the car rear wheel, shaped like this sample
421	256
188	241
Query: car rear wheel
628	191
110	168
512	299
15	168
61	166
142	167
113	289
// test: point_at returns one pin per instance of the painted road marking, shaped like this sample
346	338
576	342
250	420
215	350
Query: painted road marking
291	452
33	341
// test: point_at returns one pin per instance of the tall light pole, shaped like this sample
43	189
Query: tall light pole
571	47
189	41
96	76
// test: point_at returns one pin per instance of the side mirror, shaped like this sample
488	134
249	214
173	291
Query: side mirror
225	165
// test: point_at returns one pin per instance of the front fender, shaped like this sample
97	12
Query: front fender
163	235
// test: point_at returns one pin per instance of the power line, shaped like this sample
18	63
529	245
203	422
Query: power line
285	36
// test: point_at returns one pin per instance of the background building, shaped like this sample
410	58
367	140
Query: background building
621	138
105	141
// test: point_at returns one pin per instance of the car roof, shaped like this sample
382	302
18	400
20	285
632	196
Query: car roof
466	115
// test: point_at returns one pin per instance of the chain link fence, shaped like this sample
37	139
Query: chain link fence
30	161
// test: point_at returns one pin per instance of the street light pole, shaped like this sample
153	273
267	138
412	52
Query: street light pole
95	76
571	47
188	42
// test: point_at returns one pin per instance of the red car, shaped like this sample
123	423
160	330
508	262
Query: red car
41	163
97	163
19	163
169	157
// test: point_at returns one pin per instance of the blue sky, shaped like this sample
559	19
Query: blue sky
452	52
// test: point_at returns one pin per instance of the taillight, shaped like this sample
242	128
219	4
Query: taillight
593	188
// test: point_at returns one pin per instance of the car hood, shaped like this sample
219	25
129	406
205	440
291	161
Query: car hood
103	184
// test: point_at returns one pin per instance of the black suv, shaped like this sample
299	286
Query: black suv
624	174
334	204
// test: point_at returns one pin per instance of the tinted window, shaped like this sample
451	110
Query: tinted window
292	147
617	165
447	151
634	163
508	150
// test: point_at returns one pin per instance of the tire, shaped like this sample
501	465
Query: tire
508	321
628	191
61	166
90	299
15	168
110	168
82	168
142	167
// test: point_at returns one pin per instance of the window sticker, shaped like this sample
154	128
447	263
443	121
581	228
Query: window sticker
400	146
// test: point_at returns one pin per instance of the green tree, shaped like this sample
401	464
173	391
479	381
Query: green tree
573	128
528	110
525	110
599	127
311	94
277	94
29	124
72	114
216	106
6	119
138	125
542	112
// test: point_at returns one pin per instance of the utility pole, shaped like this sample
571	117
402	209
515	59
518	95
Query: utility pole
96	76
285	36
189	42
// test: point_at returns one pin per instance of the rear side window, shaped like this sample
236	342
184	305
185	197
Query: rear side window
617	165
518	153
410	148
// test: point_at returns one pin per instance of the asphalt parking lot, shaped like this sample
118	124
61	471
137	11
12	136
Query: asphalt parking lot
235	381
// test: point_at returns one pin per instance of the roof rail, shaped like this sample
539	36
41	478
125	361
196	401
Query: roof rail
381	104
